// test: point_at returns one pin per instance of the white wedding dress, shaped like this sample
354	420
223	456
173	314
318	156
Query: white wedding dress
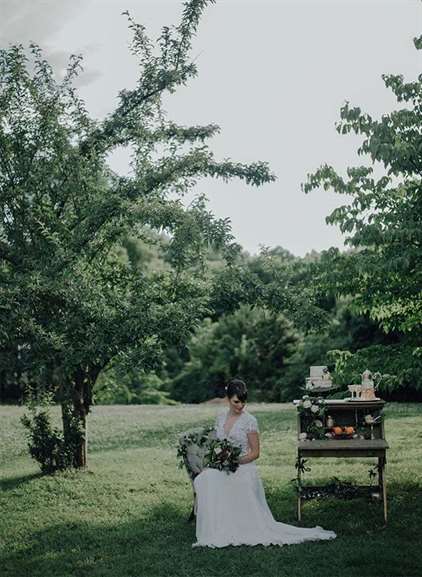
232	508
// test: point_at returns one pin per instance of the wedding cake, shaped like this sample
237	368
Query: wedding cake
319	378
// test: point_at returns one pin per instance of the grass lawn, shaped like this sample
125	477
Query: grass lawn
126	516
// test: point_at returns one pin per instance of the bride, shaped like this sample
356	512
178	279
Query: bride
231	508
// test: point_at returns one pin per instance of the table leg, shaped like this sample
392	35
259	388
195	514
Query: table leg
299	491
382	484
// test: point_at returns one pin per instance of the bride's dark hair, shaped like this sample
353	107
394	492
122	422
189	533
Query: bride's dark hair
237	387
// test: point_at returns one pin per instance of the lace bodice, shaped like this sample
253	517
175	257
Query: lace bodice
244	424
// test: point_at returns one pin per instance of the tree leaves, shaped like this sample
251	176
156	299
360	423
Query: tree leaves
383	221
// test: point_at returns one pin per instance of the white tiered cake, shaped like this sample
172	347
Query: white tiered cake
319	378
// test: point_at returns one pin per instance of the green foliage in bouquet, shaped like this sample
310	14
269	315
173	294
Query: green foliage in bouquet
223	455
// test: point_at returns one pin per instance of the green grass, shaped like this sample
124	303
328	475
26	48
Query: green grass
126	516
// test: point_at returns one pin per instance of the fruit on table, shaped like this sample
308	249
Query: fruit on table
343	430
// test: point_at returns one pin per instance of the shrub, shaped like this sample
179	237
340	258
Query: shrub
47	443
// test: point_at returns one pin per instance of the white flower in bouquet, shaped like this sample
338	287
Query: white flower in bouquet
314	409
307	404
369	419
302	436
319	423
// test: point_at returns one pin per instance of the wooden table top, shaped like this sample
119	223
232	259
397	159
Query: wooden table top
343	444
343	403
349	403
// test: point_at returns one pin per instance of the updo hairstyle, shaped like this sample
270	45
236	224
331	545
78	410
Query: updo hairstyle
237	387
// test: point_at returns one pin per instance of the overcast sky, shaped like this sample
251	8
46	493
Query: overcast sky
272	73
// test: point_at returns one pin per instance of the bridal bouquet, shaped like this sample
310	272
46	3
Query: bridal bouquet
223	455
192	447
200	448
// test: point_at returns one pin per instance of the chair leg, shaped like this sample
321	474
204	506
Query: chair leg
192	515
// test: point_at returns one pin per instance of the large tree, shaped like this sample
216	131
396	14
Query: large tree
381	273
66	297
383	220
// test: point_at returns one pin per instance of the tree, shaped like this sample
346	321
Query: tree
276	280
383	269
66	296
252	342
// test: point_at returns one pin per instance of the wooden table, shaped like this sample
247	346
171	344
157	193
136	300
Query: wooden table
349	413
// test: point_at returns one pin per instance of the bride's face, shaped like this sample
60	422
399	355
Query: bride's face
236	405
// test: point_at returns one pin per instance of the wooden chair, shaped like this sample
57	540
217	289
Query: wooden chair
193	461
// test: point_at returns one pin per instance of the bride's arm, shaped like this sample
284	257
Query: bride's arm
253	452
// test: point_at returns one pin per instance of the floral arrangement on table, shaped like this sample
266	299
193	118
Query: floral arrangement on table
318	425
313	411
200	448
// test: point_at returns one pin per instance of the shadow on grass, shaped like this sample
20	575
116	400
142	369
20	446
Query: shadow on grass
12	483
157	543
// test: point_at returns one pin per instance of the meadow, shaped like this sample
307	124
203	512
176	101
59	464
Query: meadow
126	516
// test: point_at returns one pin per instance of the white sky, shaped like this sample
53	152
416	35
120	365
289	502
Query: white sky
272	73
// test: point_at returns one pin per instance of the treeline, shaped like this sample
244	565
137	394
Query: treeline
251	332
267	320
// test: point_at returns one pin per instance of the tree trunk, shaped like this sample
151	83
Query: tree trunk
74	433
76	404
81	450
74	417
81	407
